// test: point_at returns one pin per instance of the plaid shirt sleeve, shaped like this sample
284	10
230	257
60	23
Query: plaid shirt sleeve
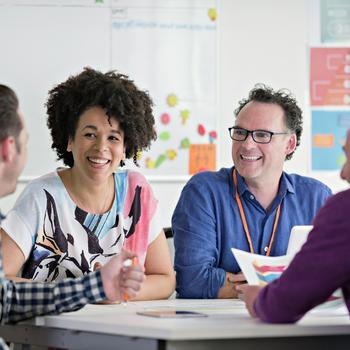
22	300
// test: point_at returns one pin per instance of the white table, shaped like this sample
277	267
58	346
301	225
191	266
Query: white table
227	327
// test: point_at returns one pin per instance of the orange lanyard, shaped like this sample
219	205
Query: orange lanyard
244	220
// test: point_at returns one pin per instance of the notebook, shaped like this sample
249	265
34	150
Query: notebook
261	270
298	237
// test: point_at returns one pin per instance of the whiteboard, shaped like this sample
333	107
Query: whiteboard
170	50
40	47
44	42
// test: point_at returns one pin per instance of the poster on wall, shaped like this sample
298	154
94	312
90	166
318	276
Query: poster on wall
329	129
170	49
330	76
330	105
335	21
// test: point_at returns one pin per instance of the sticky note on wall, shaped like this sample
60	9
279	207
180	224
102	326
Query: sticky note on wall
202	157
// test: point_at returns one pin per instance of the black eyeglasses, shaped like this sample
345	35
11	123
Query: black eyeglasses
259	136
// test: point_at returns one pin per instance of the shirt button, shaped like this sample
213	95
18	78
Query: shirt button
266	249
251	197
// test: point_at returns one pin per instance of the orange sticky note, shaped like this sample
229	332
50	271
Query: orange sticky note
202	157
323	140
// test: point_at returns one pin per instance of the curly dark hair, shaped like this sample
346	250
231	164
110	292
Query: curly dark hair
292	112
10	121
115	93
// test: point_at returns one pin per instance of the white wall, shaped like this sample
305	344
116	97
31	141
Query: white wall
260	41
267	41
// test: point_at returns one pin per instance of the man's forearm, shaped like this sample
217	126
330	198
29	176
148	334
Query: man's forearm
22	300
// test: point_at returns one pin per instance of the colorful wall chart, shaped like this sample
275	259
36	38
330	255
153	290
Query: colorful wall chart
169	48
328	136
267	273
335	21
330	105
330	76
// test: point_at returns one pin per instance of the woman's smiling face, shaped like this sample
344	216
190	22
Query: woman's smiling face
98	145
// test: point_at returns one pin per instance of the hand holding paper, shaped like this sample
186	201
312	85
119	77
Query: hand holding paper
228	290
260	270
249	295
237	278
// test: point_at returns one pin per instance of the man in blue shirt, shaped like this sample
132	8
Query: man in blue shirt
22	300
251	206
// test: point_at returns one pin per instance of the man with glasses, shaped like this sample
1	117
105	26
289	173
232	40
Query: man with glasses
251	206
326	256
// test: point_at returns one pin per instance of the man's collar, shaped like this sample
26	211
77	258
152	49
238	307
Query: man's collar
285	185
242	186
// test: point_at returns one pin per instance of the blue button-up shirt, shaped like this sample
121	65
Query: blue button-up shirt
207	224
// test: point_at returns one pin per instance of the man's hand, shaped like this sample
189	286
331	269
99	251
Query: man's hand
118	279
228	290
249	294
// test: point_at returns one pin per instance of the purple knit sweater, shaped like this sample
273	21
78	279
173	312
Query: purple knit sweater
322	266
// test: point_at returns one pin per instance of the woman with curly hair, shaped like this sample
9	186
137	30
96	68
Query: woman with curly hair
73	220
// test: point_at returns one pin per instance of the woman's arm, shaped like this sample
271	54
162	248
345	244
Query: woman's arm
13	258
160	276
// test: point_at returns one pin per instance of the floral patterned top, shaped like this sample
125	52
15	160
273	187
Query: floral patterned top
59	239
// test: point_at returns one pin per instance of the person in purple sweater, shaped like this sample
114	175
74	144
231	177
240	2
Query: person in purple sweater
321	266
